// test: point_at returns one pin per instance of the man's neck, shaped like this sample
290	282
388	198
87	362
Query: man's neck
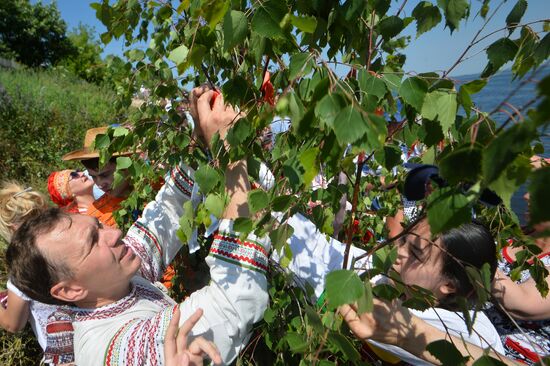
94	302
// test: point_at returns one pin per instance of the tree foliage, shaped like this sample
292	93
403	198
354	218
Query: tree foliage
86	61
33	34
332	119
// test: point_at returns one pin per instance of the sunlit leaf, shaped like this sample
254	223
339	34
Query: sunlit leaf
343	287
257	200
179	54
441	105
207	178
306	24
235	28
413	91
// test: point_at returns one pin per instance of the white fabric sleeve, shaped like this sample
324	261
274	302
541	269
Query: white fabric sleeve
237	295
153	236
314	255
11	287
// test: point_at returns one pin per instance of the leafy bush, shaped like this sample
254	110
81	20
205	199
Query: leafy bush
44	115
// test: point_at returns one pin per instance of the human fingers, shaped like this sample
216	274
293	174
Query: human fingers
198	91
170	339
201	346
360	327
186	327
203	105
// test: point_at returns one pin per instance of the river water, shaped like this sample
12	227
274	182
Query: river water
498	89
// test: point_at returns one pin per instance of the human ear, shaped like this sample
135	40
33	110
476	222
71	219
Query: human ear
447	288
68	291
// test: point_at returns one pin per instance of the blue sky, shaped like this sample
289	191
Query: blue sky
433	51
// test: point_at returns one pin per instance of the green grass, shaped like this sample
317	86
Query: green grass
43	115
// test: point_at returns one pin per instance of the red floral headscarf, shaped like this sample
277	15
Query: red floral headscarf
58	187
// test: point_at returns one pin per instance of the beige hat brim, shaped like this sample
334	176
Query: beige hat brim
84	154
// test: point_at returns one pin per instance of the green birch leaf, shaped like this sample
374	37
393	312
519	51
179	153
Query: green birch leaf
243	225
282	203
427	16
280	235
539	196
267	19
310	163
257	200
431	134
461	165
214	203
235	29
343	287
370	84
179	54
300	64
499	53
136	55
120	131
448	209
207	178
297	342
328	108
365	303
413	91
123	162
392	80
390	27
454	11
441	105
185	231
213	11
504	149
515	15
542	51
511	179
475	86
447	353
304	23
349	125
341	343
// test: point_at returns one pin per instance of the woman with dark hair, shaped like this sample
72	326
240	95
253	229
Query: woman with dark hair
437	264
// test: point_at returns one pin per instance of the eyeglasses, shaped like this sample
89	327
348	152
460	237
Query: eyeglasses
74	174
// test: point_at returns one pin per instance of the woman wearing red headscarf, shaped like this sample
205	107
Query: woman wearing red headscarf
71	190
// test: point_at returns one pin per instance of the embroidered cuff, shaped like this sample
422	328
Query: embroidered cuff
251	253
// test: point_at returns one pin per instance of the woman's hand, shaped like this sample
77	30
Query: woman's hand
176	350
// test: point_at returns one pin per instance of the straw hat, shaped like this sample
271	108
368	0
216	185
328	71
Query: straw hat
87	152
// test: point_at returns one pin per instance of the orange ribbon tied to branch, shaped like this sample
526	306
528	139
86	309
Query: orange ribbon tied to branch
268	92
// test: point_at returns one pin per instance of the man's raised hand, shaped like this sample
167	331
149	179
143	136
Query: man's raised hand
176	350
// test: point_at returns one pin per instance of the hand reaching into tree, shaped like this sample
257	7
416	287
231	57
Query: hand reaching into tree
176	350
210	117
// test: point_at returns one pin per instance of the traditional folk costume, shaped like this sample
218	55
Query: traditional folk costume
531	341
314	257
39	313
131	331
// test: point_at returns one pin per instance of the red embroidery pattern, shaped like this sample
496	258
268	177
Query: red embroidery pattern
245	254
182	181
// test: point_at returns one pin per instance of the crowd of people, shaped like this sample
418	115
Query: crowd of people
92	293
